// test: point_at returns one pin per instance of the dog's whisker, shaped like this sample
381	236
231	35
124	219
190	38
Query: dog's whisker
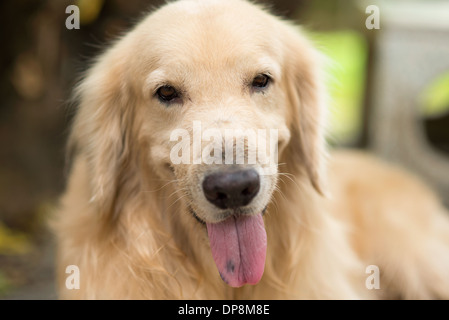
278	190
290	177
281	164
176	201
274	202
182	191
165	185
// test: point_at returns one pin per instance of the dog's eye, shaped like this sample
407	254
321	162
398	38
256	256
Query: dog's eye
167	93
261	81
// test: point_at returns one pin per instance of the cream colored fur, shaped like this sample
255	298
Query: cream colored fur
124	218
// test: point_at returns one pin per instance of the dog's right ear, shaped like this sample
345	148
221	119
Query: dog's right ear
101	130
306	98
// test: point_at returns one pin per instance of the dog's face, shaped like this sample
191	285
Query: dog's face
221	93
209	88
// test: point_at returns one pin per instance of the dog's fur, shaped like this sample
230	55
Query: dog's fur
129	218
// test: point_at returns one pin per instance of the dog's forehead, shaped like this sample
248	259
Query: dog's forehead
209	30
197	6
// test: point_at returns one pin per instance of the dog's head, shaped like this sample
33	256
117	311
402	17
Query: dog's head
218	96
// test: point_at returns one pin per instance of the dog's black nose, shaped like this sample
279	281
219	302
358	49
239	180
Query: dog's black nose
231	189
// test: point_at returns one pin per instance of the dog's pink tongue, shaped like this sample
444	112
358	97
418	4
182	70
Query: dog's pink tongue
239	248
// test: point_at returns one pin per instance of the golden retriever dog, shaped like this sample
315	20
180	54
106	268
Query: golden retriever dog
160	205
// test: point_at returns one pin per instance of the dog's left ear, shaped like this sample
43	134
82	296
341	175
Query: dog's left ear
306	99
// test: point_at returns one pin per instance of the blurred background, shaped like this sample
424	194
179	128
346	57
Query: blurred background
389	94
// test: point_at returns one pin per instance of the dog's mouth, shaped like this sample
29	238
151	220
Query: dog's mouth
238	244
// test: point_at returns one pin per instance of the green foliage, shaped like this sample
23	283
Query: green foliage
89	10
4	284
12	242
347	52
435	98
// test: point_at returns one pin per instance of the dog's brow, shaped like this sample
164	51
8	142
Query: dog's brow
155	78
268	64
